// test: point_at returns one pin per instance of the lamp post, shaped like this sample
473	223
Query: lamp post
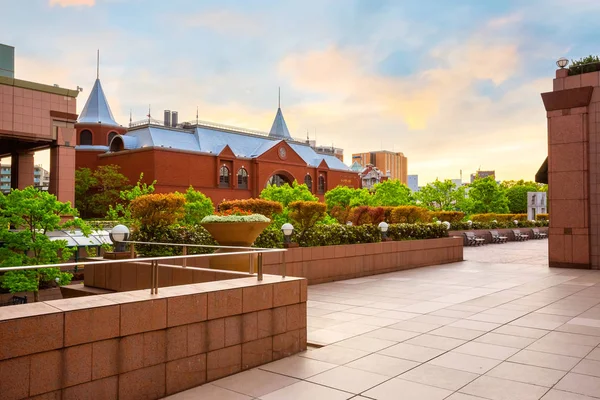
118	235
287	230
383	227
562	62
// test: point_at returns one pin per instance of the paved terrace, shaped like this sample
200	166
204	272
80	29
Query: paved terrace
500	325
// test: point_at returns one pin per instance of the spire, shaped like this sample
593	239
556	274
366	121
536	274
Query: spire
98	64
96	109
279	128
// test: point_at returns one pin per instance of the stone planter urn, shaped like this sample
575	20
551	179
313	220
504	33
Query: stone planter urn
241	234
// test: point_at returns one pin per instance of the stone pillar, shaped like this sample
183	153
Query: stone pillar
21	170
573	170
62	173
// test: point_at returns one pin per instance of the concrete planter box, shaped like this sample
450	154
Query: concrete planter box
332	263
485	233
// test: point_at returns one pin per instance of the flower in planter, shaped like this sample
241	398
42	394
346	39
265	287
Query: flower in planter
235	218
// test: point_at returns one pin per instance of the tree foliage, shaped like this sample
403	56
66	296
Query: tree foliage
343	197
157	210
197	206
487	197
440	195
268	208
391	193
33	213
96	191
121	211
285	194
306	214
516	193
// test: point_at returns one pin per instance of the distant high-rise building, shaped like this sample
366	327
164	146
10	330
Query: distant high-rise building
482	174
41	178
457	182
413	182
393	165
7	61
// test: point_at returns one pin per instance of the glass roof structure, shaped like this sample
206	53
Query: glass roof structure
76	238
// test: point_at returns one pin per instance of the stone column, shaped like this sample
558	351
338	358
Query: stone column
21	170
62	173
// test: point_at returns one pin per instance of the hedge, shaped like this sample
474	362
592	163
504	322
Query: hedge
409	215
306	214
450	216
464	226
363	215
542	217
192	234
489	217
256	206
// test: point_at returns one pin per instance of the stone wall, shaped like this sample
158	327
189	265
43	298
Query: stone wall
135	345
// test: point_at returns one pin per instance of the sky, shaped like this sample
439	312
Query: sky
454	85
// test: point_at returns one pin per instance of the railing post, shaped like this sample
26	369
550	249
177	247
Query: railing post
185	254
156	277
131	250
283	266
151	277
251	266
260	266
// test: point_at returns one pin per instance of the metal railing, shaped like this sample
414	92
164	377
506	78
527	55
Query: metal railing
154	261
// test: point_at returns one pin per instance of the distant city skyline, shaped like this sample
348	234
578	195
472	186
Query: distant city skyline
453	89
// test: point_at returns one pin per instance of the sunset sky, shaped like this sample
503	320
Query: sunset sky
451	84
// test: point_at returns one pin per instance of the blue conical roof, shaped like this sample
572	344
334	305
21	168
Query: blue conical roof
279	129
96	109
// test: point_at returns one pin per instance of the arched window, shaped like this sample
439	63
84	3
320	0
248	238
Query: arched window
224	177
85	138
308	182
321	185
111	136
242	176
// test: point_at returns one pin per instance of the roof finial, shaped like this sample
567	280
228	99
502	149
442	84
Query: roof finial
279	98
98	64
196	115
130	117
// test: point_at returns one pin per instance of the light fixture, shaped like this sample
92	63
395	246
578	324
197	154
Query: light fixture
446	224
562	62
516	222
287	230
383	227
118	235
469	222
349	223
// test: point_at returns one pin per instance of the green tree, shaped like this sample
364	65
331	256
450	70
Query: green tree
516	193
96	191
487	196
440	195
345	197
121	212
34	213
197	206
392	193
285	194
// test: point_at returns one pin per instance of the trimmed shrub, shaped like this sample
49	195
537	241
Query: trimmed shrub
255	206
463	226
387	214
306	214
416	231
341	213
194	234
330	235
367	215
489	217
542	217
197	206
270	238
156	210
409	215
450	216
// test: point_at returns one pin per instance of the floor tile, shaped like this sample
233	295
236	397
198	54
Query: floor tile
465	362
546	360
433	375
383	365
435	320
395	335
348	379
474	325
462	396
413	326
411	352
527	374
344	316
582	384
532	333
365	343
502	389
353	327
435	342
399	388
457	333
365	311
517	342
588	367
554	394
298	367
208	391
573	338
326	336
307	391
255	382
486	350
594	354
335	354
548	345
541	321
376	320
399	315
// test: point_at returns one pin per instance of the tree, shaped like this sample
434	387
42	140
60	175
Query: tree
306	214
96	191
121	212
153	211
439	195
391	193
197	206
487	197
285	193
516	193
344	197
34	213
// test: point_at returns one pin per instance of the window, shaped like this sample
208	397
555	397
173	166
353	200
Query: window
242	176
111	136
321	185
85	138
224	177
308	182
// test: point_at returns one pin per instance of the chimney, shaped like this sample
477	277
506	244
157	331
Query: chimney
167	118
174	119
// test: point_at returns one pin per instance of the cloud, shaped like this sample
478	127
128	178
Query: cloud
226	22
72	3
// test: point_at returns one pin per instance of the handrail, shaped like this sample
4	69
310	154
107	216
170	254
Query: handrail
154	261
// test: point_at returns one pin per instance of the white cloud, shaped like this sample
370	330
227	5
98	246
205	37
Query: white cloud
72	3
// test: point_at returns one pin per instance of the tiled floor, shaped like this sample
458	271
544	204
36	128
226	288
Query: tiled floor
500	325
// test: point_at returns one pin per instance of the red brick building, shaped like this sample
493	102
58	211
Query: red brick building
221	161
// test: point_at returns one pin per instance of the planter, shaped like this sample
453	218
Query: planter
241	234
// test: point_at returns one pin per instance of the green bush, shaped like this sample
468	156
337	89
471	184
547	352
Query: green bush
464	226
489	217
450	216
416	231
197	206
270	238
409	215
330	235
305	214
194	234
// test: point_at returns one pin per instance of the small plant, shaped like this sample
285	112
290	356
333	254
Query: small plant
235	218
267	208
590	63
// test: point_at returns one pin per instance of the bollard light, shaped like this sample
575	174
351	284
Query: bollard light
383	227
516	222
349	223
562	62
287	230
118	235
446	224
